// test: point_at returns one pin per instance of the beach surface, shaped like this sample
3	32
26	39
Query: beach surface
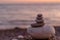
14	33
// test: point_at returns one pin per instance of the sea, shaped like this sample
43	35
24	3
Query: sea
23	15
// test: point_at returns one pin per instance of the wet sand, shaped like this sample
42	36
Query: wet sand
13	33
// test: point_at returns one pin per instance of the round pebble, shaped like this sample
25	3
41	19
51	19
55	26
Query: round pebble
20	36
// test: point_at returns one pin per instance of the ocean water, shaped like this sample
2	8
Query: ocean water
22	15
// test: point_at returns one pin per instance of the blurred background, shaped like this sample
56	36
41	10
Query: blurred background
22	15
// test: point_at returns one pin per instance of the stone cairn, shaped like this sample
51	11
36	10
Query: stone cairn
45	33
39	21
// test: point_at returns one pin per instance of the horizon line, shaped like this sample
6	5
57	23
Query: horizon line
29	3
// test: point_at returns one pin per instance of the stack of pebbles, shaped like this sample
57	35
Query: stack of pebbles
39	21
39	30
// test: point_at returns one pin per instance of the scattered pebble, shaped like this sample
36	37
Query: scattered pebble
20	36
14	39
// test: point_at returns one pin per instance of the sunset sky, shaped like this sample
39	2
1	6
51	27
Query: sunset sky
29	1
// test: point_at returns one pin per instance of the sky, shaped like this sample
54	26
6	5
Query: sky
29	1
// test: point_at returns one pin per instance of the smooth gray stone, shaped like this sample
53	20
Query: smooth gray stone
41	32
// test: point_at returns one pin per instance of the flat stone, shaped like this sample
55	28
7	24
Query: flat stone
14	39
